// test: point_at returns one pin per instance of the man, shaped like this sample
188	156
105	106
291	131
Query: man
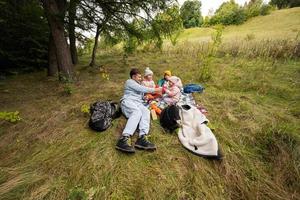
138	115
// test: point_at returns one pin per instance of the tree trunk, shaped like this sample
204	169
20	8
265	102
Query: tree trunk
72	37
92	64
55	16
52	61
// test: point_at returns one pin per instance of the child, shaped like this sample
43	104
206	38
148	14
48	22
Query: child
173	92
148	82
163	82
148	78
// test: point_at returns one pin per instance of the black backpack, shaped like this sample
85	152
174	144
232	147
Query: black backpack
169	117
102	114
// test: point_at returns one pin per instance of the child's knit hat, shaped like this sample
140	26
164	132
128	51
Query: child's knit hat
148	71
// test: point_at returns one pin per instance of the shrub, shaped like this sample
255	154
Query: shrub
10	116
131	44
265	9
229	13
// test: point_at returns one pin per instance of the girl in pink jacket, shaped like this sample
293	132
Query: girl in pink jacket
173	92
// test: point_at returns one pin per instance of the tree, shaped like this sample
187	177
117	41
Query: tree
55	12
98	30
168	24
117	16
52	60
228	13
71	29
255	8
22	46
191	14
285	3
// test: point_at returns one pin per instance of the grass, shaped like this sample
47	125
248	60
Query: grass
253	105
280	24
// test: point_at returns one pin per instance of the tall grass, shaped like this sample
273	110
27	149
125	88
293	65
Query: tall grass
274	49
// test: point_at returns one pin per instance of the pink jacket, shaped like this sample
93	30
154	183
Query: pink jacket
149	84
174	93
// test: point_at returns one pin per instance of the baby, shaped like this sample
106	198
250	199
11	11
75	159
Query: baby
173	92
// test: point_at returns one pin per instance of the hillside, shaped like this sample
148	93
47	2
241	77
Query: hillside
254	110
278	25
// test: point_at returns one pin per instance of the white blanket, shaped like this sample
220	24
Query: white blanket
194	134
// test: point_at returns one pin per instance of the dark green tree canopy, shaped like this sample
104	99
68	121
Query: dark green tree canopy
285	3
24	35
190	13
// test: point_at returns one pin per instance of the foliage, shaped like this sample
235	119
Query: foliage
68	88
190	13
23	35
104	74
167	24
285	3
229	13
85	108
10	116
205	73
130	44
266	9
216	37
256	7
252	9
86	47
77	193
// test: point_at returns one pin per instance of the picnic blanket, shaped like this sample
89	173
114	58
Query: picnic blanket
184	99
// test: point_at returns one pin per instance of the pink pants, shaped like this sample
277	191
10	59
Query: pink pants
170	101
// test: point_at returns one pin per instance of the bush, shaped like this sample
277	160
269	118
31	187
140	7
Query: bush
229	13
77	193
265	9
131	44
10	116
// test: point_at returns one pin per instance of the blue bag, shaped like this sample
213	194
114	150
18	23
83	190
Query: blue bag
190	88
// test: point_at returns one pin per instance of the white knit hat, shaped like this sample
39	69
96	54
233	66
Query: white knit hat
148	71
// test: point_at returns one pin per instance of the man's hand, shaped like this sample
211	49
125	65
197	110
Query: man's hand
158	90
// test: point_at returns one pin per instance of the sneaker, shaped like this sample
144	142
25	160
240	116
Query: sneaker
143	143
123	144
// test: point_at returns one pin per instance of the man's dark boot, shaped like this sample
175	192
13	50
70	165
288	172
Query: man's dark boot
123	144
143	143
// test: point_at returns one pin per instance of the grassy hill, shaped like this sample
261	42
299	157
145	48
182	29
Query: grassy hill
281	24
253	105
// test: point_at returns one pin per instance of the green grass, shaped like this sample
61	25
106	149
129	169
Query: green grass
280	24
253	105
